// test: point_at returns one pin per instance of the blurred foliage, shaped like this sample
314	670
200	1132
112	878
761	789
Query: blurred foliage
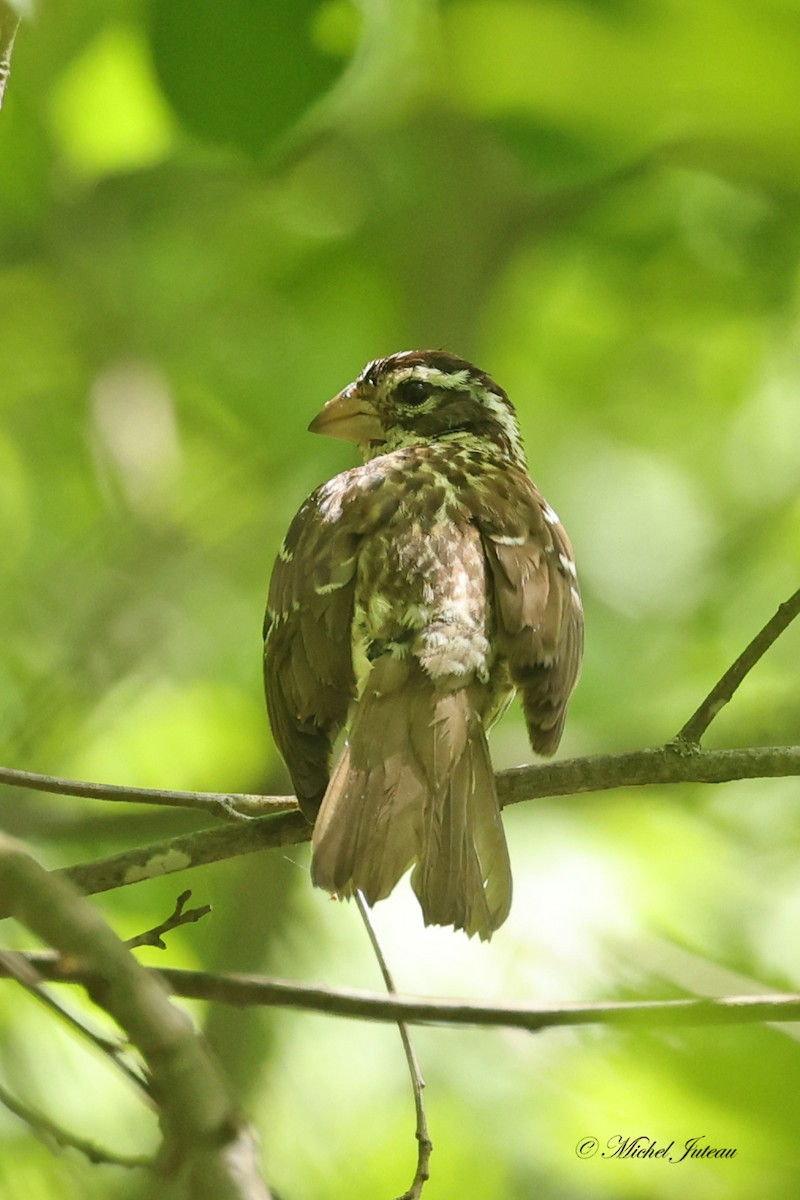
210	218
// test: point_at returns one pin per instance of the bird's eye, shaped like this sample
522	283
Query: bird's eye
412	392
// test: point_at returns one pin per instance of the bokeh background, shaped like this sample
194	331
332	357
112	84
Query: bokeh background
211	215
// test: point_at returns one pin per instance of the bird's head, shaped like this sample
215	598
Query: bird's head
421	396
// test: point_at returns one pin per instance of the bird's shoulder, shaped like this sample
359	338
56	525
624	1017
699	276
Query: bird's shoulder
318	556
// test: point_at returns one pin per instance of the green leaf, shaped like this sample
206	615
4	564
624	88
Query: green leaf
244	72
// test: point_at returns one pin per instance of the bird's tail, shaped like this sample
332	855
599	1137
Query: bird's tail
414	785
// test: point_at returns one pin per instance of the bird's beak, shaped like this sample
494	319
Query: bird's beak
349	416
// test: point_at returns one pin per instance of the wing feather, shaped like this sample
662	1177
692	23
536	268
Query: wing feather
537	605
308	669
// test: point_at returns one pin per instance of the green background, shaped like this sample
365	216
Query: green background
211	215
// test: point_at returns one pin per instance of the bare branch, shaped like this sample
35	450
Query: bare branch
589	774
17	966
721	693
424	1143
641	768
9	24
669	764
680	761
179	916
229	806
189	850
206	1145
49	1131
241	989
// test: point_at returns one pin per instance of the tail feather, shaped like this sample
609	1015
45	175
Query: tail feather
463	876
415	785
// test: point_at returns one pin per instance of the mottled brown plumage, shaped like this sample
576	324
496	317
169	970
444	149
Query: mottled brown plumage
411	597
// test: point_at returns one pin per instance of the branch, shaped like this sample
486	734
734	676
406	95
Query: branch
9	24
15	965
643	768
680	761
722	692
229	806
205	1143
242	989
49	1131
178	917
424	1143
189	850
570	777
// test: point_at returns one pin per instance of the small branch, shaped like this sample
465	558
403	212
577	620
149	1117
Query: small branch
424	1143
227	805
283	824
153	937
49	1131
644	768
205	1145
669	764
189	850
240	989
17	966
570	777
722	692
9	24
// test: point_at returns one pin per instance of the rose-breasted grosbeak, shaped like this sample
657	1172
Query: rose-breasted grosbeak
411	597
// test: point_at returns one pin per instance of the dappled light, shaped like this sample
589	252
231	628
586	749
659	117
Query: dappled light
211	216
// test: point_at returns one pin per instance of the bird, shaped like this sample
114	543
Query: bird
412	597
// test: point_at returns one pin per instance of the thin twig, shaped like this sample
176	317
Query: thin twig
190	850
570	777
178	917
205	1139
229	806
424	1144
49	1131
16	966
554	779
244	990
283	824
9	24
722	692
669	764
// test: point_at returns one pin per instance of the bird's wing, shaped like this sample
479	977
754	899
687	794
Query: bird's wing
308	668
537	606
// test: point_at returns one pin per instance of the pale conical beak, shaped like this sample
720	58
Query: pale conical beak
349	416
